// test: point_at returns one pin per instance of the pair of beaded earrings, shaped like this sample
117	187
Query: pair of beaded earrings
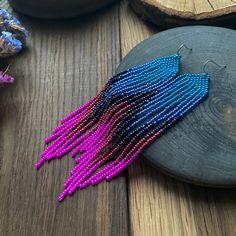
133	110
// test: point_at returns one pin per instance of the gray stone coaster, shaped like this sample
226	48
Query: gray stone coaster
201	148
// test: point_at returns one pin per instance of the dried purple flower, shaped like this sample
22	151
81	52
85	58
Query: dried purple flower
5	79
12	34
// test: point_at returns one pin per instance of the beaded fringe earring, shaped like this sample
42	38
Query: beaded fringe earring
134	109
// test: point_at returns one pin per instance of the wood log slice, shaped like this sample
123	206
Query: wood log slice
201	148
171	13
54	9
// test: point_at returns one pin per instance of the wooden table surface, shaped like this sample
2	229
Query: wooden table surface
65	64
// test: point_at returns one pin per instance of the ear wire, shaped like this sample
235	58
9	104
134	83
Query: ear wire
213	62
183	46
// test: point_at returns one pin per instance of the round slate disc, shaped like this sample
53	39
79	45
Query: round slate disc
201	148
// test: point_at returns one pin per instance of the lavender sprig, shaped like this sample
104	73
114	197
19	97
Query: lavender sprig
12	34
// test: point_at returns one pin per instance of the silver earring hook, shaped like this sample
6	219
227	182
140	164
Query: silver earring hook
183	46
208	61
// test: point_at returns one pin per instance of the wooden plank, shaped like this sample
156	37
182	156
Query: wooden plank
64	65
160	205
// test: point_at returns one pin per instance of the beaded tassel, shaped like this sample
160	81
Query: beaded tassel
134	109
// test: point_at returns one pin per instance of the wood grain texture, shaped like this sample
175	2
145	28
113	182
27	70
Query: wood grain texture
160	205
168	13
65	64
